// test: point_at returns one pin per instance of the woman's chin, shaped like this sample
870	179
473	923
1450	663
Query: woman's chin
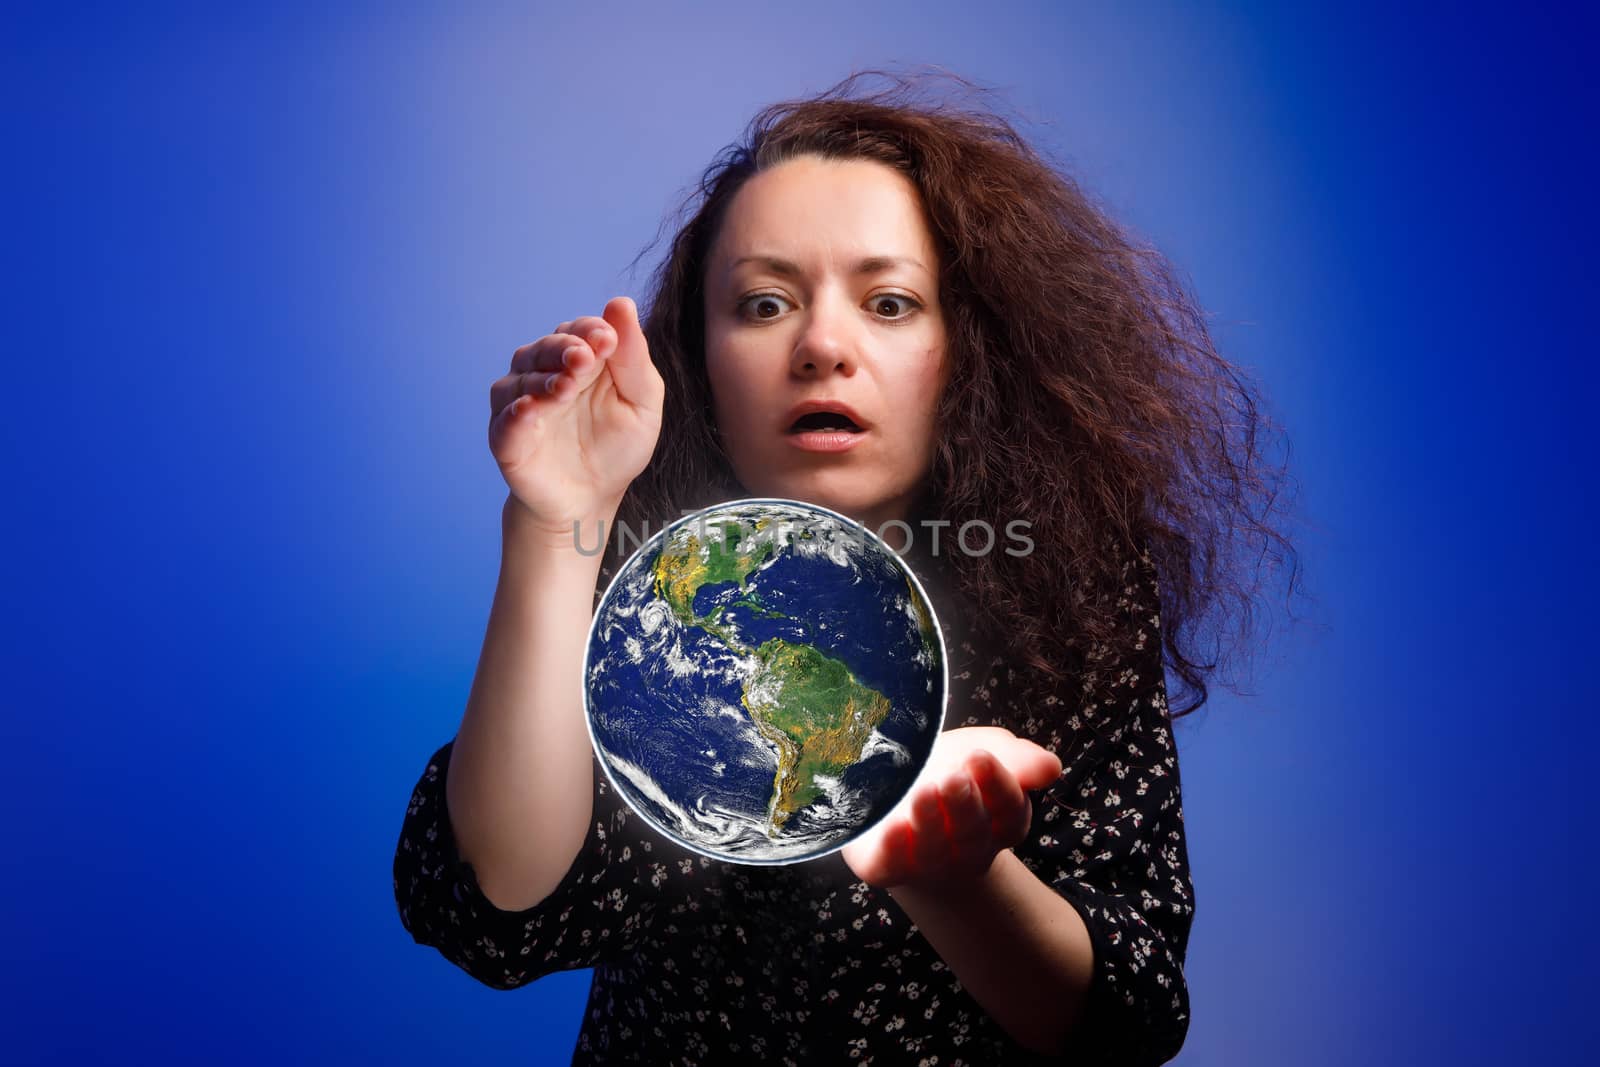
866	507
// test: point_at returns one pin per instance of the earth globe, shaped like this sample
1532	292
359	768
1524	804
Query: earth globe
764	681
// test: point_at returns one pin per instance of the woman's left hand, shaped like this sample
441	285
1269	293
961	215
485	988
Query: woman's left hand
968	805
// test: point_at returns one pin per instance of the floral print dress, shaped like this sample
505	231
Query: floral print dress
701	962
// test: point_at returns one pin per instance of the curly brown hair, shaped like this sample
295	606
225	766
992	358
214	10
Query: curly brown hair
1086	398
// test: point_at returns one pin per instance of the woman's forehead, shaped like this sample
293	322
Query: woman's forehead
808	215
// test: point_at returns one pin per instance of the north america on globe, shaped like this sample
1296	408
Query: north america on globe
764	680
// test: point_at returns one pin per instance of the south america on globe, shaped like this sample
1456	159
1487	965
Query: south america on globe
764	681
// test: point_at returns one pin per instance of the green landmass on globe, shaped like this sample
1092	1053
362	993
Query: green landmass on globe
806	703
817	713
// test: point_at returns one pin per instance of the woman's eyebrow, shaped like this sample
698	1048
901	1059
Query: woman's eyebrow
868	265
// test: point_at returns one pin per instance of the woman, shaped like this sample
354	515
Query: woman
1004	357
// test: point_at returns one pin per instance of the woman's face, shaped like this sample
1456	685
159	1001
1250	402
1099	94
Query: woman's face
823	285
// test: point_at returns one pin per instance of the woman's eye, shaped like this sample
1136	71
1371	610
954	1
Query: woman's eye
891	299
763	301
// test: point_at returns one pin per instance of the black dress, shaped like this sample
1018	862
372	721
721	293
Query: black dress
702	962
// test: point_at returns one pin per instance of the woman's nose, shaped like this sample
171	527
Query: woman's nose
826	345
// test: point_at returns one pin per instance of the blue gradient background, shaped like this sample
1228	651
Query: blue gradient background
261	267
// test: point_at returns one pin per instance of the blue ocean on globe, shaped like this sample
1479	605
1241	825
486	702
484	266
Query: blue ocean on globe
764	681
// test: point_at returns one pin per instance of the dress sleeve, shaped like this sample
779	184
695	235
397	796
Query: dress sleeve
603	906
1112	844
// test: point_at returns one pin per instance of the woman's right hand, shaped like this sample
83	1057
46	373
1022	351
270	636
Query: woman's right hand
577	418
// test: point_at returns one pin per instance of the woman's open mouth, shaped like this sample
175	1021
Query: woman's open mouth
825	431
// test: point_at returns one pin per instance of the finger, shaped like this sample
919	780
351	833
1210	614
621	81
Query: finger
532	384
900	850
967	820
594	331
635	376
551	352
505	420
894	860
549	370
932	846
1034	766
1007	805
591	330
